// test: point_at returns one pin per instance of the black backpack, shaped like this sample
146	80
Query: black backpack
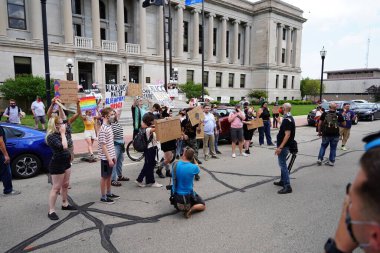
19	110
330	125
141	142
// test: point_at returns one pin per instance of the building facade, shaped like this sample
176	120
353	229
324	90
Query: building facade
247	45
351	84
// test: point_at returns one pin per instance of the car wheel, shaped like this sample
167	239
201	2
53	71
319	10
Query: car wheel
26	166
372	117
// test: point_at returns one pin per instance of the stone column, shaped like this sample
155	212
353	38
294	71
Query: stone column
143	44
246	44
36	23
68	22
160	31
120	26
288	46
295	38
223	58
195	34
210	56
95	15
179	44
236	42
279	43
3	19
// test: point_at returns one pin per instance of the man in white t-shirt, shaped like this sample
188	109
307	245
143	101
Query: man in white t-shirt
13	113
38	109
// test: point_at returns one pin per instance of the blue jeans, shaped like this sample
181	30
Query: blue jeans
283	166
147	171
326	140
265	130
6	175
179	149
118	167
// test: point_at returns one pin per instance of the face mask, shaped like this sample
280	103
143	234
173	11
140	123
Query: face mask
13	106
112	119
39	100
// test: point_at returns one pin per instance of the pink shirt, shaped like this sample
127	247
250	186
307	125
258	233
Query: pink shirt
235	121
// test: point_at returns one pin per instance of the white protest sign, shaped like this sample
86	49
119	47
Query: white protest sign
115	95
225	100
173	93
161	95
147	94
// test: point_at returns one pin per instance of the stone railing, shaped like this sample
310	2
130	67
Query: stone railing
132	48
110	46
83	42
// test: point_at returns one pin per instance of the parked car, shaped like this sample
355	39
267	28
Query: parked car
224	112
27	149
359	101
325	105
368	111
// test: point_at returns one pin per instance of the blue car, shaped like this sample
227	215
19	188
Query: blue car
27	149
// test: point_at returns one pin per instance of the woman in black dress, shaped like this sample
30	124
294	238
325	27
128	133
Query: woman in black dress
247	133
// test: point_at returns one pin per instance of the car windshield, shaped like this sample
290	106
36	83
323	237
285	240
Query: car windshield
365	106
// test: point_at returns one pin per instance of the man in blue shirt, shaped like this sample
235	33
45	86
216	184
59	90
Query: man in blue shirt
183	184
348	116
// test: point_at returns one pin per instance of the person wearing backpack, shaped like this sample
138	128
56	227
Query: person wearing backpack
328	128
149	141
13	113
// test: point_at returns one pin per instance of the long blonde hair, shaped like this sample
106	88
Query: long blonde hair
51	126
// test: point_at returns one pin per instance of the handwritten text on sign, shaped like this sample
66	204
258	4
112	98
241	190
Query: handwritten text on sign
115	95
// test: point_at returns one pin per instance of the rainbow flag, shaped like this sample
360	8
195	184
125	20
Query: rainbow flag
88	103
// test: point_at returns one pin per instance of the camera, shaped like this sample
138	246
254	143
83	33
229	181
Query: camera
169	187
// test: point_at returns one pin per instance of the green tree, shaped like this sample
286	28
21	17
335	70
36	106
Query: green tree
24	89
258	94
375	92
192	90
310	87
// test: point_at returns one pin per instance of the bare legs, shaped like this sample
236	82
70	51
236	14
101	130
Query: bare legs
60	184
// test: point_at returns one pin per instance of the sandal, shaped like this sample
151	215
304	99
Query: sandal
115	183
122	178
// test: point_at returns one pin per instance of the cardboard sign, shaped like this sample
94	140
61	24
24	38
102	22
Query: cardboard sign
147	94
200	131
275	109
115	95
168	129
161	95
134	89
67	91
255	123
196	115
224	99
88	103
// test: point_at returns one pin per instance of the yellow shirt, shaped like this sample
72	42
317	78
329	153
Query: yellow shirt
89	123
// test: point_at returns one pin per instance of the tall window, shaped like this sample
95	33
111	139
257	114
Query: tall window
283	34
205	77
239	43
285	98
126	37
200	38
218	82
185	36
125	15
242	81
16	14
277	77
103	35
77	30
102	10
285	82
215	41
292	82
231	78
283	55
190	75
228	44
23	65
76	7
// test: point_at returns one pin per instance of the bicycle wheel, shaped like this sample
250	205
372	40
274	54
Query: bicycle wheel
133	154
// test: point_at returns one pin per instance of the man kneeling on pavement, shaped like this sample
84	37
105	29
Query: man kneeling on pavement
183	196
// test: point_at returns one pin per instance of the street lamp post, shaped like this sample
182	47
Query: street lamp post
323	55
46	52
70	65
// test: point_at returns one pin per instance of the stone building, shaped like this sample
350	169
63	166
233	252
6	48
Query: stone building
247	45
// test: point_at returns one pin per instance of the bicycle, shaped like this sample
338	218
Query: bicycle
136	156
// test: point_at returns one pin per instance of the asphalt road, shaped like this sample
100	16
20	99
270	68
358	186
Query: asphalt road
244	212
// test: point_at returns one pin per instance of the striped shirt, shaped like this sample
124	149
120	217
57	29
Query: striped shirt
118	133
106	137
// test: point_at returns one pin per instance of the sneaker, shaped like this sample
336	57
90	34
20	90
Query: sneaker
159	173
233	155
69	208
214	157
243	154
155	185
168	174
113	196
53	216
140	184
248	152
206	157
319	162
14	192
107	200
285	190
329	163
344	148
218	152
271	144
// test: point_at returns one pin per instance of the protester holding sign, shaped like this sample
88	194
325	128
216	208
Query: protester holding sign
136	115
89	132
248	133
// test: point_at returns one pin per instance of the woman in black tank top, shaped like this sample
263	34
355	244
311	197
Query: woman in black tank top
265	115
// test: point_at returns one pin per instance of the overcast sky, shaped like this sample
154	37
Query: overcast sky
343	28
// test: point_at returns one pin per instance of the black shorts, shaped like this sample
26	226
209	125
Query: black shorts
106	170
169	146
248	134
59	164
237	134
196	199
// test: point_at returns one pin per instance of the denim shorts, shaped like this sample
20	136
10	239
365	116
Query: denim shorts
237	134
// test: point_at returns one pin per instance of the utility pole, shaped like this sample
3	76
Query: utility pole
46	52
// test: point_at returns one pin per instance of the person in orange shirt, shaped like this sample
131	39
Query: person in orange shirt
89	131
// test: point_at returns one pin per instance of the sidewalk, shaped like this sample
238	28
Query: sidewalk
80	145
